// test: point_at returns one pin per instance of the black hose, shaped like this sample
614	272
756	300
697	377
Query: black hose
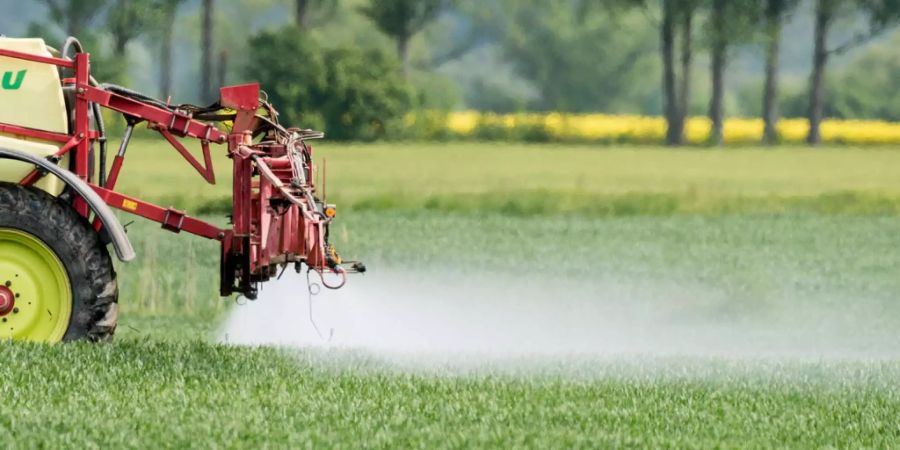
101	127
71	41
195	110
125	92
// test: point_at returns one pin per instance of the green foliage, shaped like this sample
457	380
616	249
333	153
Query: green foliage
866	88
189	394
778	9
124	22
489	83
863	89
128	19
351	93
401	19
597	61
881	13
104	66
741	21
434	91
73	16
308	13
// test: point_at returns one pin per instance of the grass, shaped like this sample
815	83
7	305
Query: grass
530	180
752	267
162	384
184	394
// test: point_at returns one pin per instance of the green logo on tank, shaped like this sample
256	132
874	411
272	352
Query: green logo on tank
10	84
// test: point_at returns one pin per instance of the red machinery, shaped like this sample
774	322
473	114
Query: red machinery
277	218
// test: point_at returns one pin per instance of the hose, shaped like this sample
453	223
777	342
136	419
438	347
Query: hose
197	112
70	43
101	127
337	270
125	92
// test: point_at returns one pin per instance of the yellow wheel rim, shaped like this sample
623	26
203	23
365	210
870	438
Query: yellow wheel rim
35	278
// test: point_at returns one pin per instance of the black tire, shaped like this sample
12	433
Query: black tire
95	294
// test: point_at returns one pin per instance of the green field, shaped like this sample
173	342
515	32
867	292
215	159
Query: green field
527	179
791	250
146	394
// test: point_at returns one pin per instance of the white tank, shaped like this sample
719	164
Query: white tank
30	96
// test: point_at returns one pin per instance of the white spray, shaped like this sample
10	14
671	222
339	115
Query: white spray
393	313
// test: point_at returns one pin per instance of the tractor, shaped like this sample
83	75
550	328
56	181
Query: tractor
58	192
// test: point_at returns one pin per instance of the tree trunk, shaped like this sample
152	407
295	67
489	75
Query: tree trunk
403	51
717	65
73	25
301	14
119	48
222	69
165	60
716	106
120	34
817	78
687	54
74	28
206	69
770	93
674	129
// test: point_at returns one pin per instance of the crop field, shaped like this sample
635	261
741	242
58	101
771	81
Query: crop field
672	299
532	179
605	128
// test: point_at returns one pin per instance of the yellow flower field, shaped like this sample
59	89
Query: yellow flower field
650	129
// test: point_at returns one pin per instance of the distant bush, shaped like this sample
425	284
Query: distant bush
350	93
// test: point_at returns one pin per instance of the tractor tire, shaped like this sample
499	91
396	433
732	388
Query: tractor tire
55	269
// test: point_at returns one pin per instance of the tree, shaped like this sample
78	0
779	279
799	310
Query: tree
882	15
674	129
824	16
774	12
580	60
686	14
352	93
718	58
871	77
730	22
305	9
401	20
206	51
301	13
677	17
168	12
74	18
126	20
74	15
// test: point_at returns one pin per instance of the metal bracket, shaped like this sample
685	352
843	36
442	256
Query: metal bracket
174	220
123	247
182	119
206	169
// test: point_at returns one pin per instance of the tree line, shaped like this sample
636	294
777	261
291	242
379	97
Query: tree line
554	46
731	22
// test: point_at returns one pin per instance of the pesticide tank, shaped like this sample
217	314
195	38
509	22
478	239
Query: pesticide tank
31	96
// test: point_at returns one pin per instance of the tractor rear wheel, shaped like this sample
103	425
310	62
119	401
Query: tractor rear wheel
57	282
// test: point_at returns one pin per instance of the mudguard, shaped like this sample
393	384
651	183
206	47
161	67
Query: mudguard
122	245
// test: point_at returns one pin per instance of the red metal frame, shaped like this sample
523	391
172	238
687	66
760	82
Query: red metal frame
270	226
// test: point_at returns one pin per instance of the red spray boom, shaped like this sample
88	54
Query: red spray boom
277	218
